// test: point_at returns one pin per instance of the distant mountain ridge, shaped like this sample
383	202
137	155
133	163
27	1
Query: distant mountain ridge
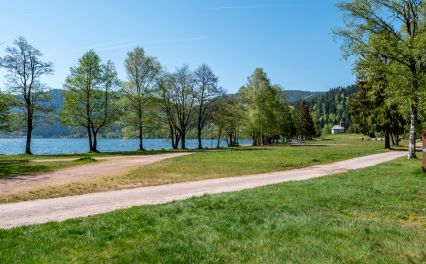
56	129
294	96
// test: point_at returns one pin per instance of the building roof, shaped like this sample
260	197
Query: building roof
337	127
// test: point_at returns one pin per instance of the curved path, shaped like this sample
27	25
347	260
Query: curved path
59	209
113	165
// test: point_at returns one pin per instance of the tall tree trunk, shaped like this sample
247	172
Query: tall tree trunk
387	139
172	136
183	138
218	137
413	127
200	145
140	138
89	135
29	132
177	139
95	143
392	136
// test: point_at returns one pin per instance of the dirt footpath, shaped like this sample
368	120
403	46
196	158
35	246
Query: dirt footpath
59	209
113	165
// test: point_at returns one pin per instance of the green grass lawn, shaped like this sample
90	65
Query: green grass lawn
14	165
374	215
216	164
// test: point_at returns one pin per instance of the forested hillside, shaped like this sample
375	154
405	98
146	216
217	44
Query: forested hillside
332	108
54	128
294	96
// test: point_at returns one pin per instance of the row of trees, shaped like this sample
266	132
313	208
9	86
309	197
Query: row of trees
95	98
388	37
181	101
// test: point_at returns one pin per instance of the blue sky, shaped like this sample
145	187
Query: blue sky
291	40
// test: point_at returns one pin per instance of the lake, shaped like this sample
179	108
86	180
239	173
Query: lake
44	146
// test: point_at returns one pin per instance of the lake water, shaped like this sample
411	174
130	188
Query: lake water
12	146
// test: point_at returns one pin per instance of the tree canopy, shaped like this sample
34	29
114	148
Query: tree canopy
90	91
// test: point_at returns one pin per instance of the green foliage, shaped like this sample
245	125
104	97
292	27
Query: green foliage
228	116
5	115
89	97
393	32
305	122
266	109
143	73
373	106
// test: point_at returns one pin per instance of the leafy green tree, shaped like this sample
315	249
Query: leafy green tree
228	116
326	130
5	103
385	116
392	29
90	91
361	106
206	89
142	74
266	109
24	69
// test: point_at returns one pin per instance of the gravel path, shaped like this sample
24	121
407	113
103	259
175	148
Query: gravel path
59	209
113	165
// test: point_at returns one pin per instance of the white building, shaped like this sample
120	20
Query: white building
338	129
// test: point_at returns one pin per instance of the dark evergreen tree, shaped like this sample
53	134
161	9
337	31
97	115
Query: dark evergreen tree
306	123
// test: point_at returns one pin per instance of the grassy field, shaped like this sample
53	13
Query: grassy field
216	164
11	166
374	215
15	165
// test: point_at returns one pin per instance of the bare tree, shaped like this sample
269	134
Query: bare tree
24	69
165	94
143	72
206	90
177	95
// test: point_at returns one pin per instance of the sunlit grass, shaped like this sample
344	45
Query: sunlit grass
374	215
216	164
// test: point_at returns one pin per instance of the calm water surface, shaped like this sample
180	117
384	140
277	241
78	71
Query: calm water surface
80	145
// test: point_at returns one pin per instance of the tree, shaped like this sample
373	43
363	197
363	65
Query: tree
266	109
142	73
206	89
24	68
394	30
177	97
306	123
227	115
361	109
90	91
4	112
